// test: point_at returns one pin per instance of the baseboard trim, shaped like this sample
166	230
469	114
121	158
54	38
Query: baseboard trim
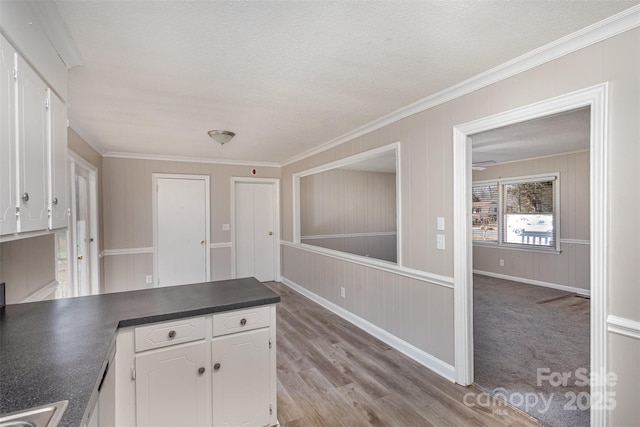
42	293
623	326
579	291
436	365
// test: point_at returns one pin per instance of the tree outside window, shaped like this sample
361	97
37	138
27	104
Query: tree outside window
516	212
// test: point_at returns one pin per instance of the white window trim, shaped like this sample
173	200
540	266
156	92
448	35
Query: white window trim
500	182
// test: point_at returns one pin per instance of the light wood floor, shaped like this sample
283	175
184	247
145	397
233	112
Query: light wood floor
331	373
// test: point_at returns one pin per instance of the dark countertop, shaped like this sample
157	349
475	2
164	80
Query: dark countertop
57	350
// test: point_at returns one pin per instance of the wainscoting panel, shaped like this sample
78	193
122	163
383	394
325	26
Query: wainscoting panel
570	268
127	272
412	310
624	357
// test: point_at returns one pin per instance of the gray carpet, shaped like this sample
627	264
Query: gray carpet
514	336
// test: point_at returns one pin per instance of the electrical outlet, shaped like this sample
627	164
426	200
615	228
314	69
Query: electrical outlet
501	263
149	279
342	291
225	227
440	242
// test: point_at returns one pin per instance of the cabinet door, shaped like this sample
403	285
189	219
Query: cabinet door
170	391
240	384
32	149
57	199
8	203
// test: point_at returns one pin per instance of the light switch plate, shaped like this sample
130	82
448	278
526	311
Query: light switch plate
225	227
149	279
440	223
440	242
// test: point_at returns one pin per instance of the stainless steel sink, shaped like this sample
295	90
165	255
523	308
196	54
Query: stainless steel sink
41	416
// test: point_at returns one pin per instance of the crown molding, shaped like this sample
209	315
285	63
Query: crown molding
595	33
167	158
56	31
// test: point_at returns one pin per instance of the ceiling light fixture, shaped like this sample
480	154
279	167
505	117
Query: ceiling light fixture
221	136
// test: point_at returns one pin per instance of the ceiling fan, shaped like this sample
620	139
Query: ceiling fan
480	166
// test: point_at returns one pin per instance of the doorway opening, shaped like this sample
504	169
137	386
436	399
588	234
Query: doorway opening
530	231
595	99
77	267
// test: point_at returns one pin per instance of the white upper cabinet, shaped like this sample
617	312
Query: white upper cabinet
32	149
8	188
58	194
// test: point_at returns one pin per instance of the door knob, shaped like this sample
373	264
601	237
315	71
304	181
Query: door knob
80	257
271	233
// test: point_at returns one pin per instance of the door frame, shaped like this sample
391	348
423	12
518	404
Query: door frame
74	160
154	218
595	97
275	182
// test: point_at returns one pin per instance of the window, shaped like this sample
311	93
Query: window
62	269
517	212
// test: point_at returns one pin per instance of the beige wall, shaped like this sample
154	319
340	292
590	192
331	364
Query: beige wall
27	265
571	266
342	201
127	214
427	186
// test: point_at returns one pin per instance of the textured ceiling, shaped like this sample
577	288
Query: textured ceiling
561	133
285	76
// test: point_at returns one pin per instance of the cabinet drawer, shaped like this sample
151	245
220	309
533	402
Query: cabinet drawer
169	333
240	320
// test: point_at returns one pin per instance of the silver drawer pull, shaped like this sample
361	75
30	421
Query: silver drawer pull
216	366
243	321
172	334
25	197
55	201
201	370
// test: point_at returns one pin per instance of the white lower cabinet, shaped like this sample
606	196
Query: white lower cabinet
171	386
241	394
217	370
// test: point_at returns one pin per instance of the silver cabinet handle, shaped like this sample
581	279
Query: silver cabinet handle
25	197
243	321
55	201
216	366
201	370
172	334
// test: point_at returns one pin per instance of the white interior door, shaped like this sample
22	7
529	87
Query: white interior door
255	230
82	228
182	230
81	240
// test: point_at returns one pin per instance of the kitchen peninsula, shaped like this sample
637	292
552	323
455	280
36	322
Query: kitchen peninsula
61	349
